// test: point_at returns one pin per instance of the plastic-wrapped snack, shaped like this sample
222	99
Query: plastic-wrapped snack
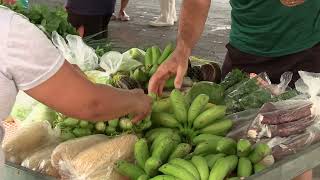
28	139
40	161
285	118
293	144
98	159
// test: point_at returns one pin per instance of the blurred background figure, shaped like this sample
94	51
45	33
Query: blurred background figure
168	14
122	15
24	3
90	17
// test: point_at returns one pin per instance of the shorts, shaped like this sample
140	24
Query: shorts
92	24
307	60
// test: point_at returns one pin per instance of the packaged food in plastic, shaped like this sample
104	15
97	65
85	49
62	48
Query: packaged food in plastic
96	160
40	161
282	147
28	139
289	117
67	150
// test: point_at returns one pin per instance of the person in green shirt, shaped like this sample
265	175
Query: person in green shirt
272	36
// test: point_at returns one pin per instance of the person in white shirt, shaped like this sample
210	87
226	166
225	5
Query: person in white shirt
31	63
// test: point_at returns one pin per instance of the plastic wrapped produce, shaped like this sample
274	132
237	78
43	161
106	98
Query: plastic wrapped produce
95	161
29	139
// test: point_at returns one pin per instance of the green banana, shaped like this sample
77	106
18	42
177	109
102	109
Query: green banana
196	107
162	105
201	164
209	116
181	151
154	133
141	152
163	177
165	120
218	128
166	52
186	165
176	171
163	150
205	137
212	159
151	166
143	177
227	146
259	152
243	147
179	106
244	167
223	167
130	170
208	147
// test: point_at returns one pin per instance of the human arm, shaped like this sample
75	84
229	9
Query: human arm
192	21
70	93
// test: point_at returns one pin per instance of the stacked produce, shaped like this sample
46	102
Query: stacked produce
167	158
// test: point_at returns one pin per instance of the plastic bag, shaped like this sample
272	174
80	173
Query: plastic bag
289	117
76	51
28	139
23	106
114	61
95	161
98	77
282	147
41	112
40	161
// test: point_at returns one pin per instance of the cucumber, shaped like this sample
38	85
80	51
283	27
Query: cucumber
218	128
165	120
100	126
209	116
205	137
166	52
179	105
244	167
212	159
180	151
208	147
162	105
129	170
243	148
187	165
259	152
201	164
197	107
141	152
227	146
156	53
176	171
148	58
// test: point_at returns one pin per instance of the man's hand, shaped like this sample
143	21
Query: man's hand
176	65
143	105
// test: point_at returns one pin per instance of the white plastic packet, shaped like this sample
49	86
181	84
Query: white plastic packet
23	106
76	51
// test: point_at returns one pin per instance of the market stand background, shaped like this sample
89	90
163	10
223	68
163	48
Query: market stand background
124	35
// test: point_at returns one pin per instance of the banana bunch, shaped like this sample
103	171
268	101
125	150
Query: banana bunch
231	158
152	152
191	119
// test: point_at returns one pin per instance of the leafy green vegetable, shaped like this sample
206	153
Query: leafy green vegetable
232	78
213	90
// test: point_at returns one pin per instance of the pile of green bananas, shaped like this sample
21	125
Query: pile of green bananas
166	158
190	119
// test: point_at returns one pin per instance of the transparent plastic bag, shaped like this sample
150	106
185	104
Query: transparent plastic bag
28	139
76	51
40	161
98	77
289	117
95	161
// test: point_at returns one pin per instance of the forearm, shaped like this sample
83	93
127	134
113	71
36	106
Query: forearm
192	21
